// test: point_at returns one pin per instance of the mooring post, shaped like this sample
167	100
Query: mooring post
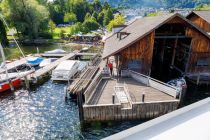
143	97
113	98
11	86
26	82
80	105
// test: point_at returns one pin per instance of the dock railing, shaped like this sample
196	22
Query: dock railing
92	87
161	86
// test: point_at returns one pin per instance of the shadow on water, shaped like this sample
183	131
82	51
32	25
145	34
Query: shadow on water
43	113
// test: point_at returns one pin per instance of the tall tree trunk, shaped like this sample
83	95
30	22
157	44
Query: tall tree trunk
3	35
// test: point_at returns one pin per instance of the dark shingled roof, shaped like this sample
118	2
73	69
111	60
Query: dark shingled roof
203	14
137	30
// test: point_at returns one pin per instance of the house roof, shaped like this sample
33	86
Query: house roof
139	29
203	14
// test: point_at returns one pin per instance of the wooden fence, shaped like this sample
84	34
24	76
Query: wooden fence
140	111
164	87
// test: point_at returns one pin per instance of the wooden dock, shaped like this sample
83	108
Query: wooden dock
147	99
14	64
42	71
62	55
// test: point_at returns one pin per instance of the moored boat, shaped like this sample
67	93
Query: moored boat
34	61
65	70
47	61
7	85
56	51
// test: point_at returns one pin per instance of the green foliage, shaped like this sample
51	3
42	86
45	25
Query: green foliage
108	16
118	20
28	16
154	14
62	33
52	26
70	17
90	24
203	7
76	28
80	8
3	35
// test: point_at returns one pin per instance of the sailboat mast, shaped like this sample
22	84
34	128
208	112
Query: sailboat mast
4	61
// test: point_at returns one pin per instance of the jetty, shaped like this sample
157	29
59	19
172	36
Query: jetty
127	98
42	71
14	64
64	54
82	82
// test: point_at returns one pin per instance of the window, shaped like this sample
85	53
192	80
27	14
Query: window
203	62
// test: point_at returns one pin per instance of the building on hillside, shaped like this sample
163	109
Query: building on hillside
158	46
201	19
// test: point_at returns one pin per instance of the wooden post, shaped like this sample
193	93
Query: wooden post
198	79
27	82
113	98
80	105
174	52
143	97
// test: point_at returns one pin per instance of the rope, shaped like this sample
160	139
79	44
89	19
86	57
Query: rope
14	39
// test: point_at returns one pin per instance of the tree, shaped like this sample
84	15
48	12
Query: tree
52	26
76	28
80	8
3	35
108	16
87	16
70	17
90	25
203	7
27	16
97	5
118	20
100	18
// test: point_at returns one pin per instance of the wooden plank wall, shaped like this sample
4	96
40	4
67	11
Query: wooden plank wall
200	22
141	50
200	48
139	111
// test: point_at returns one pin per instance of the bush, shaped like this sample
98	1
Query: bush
46	35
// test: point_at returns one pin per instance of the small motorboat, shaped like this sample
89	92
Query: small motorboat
56	51
34	61
47	61
65	70
180	83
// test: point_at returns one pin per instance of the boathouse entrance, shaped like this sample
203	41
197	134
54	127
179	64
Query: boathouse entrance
171	51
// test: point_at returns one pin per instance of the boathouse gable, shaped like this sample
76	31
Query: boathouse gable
169	41
201	19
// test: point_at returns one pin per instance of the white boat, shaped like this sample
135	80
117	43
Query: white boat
85	49
47	61
65	70
56	51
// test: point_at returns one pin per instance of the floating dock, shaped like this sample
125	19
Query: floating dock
127	98
62	55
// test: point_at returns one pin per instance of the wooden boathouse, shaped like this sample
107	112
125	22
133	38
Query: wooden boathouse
201	19
158	46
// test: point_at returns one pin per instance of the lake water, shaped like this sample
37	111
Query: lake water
43	113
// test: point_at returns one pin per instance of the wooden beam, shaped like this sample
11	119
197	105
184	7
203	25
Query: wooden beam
174	52
170	37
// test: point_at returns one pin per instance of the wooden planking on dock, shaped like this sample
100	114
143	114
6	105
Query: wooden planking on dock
14	64
50	67
61	55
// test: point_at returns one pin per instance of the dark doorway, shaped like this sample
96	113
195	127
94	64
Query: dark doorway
170	56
